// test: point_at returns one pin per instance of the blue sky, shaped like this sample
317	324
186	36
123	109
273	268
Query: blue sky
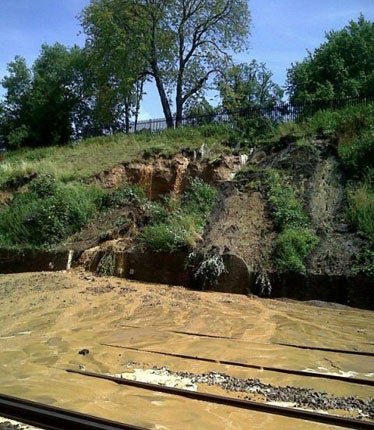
281	31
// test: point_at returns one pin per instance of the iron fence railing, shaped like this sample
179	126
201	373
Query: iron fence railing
277	113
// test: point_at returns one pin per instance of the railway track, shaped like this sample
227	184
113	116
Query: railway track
359	381
288	345
301	414
52	418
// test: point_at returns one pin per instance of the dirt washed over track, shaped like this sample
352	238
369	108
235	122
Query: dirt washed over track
221	344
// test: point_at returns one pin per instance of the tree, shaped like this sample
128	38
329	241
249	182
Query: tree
178	43
56	93
248	92
45	105
115	67
15	107
246	86
341	67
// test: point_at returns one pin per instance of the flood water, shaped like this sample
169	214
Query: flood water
47	318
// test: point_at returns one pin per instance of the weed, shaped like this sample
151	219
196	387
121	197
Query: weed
358	156
47	213
106	265
360	211
178	222
121	196
295	241
364	262
292	247
206	269
286	209
262	282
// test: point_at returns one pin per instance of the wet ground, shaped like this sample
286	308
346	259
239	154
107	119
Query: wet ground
49	318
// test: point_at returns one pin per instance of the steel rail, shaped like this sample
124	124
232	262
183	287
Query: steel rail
52	418
359	381
320	348
239	403
290	345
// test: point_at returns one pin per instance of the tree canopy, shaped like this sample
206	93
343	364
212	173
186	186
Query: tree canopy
246	86
341	67
178	43
43	104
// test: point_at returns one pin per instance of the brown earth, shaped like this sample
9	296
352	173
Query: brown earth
48	317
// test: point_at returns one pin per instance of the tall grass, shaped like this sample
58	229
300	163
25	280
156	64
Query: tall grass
295	240
47	213
179	223
83	159
361	208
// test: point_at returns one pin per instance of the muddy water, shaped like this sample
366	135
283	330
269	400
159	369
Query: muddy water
47	318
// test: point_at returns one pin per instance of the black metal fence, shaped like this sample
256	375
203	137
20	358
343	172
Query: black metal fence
276	113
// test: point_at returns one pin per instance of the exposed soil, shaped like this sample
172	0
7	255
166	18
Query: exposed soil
240	227
50	318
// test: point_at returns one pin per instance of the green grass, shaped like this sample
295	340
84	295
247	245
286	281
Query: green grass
292	248
82	160
295	240
47	213
360	211
180	221
286	209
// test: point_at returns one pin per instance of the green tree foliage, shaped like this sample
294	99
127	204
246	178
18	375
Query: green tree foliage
177	43
47	212
247	86
44	105
115	66
341	67
245	89
15	107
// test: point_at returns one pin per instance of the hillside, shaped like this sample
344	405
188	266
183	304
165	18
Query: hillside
287	214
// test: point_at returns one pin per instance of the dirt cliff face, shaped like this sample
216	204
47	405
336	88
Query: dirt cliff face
240	228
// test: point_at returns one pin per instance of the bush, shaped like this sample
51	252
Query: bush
364	262
361	209
47	213
171	235
200	198
122	196
179	222
286	209
295	241
343	124
357	157
292	247
208	269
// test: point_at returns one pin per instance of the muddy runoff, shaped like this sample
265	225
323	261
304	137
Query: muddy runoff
52	321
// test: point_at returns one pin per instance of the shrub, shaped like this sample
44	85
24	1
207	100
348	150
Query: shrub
364	262
179	221
286	209
292	247
209	269
344	124
47	213
157	212
357	157
171	235
360	211
200	198
121	196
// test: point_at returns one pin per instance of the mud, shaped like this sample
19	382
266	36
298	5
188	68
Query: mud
47	318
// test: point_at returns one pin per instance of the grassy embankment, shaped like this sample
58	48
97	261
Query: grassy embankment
58	203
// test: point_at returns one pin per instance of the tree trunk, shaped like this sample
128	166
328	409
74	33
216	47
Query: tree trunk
179	102
164	102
